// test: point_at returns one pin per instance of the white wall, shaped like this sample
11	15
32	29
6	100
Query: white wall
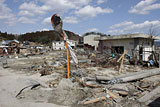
58	45
144	43
89	39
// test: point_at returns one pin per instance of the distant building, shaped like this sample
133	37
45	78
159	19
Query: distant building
139	45
89	41
12	43
12	46
60	45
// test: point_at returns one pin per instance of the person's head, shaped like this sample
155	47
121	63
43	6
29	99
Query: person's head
56	22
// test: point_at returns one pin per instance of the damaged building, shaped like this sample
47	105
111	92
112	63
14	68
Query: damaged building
10	45
60	45
139	45
89	41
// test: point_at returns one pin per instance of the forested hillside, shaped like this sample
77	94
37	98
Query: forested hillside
46	37
5	36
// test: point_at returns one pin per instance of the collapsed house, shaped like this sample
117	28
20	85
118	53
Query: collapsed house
11	46
139	45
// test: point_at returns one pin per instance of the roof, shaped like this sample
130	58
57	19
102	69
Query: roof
127	36
8	41
4	46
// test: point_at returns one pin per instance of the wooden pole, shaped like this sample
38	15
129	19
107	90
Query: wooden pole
129	77
120	68
124	53
122	60
148	73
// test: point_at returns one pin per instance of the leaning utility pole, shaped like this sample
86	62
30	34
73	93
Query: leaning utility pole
57	23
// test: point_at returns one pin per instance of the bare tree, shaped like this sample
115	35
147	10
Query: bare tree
153	30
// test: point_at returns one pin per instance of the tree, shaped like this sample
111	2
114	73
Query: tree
46	37
153	31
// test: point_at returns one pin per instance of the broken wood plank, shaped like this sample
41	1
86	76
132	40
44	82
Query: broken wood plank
94	100
124	53
120	68
122	60
123	93
139	88
91	85
149	95
111	94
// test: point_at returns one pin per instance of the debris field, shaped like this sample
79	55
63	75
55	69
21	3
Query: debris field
99	80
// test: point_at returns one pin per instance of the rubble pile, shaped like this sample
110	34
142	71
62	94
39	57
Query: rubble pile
98	90
95	81
103	60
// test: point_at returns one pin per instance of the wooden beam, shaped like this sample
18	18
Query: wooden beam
94	100
141	75
145	99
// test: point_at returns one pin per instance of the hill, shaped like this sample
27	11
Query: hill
5	36
94	33
46	37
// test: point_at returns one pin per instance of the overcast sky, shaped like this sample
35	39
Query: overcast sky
80	16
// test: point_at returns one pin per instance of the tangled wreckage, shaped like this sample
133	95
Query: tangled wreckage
100	79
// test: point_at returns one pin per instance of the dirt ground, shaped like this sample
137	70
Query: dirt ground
16	77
